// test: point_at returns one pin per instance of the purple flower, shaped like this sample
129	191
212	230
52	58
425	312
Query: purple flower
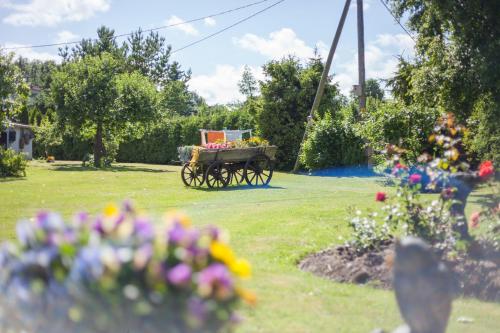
415	178
98	227
80	218
179	274
143	229
176	234
215	278
197	309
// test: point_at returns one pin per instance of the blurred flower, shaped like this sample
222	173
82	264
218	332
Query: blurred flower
179	274
222	252
215	280
111	210
241	268
247	295
448	193
486	169
415	178
381	196
474	219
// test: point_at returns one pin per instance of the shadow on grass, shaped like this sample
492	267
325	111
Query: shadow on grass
11	179
342	172
489	200
204	188
117	168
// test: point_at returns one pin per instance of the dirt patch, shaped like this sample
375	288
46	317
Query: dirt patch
477	275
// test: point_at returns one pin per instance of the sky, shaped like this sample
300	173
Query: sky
291	27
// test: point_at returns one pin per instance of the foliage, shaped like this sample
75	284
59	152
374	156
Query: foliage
388	122
332	142
287	96
248	83
159	143
374	90
95	94
487	220
117	272
47	137
12	164
13	89
456	65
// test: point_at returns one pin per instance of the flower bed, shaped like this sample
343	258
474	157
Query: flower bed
119	272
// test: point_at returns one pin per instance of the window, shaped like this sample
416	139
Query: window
12	136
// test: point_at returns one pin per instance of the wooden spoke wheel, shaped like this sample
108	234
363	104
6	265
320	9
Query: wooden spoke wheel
237	174
218	175
258	170
192	175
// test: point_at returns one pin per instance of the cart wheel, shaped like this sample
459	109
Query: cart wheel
192	175
218	175
258	170
237	175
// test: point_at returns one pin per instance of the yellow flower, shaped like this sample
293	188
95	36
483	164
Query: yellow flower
222	252
247	295
242	268
111	210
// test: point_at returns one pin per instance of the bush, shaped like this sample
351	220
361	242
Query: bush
393	123
119	272
332	143
12	164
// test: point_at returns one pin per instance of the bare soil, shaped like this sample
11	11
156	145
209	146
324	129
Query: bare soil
476	274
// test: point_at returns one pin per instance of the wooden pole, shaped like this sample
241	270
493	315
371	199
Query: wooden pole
361	57
324	78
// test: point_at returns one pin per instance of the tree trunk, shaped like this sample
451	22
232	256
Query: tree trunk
98	145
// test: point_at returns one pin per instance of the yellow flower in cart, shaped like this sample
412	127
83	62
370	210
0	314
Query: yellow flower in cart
222	252
241	268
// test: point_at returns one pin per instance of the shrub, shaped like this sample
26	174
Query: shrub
330	143
119	272
12	164
393	123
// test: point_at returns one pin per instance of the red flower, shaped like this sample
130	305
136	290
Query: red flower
401	166
415	178
474	219
486	169
380	196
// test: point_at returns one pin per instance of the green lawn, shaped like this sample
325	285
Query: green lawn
271	227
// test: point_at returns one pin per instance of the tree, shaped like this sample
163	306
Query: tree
287	95
374	90
456	66
96	94
248	83
13	88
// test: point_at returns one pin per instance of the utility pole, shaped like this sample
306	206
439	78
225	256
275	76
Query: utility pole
324	78
361	57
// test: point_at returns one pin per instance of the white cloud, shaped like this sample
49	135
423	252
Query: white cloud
279	44
31	53
66	36
380	60
52	12
209	21
179	24
221	87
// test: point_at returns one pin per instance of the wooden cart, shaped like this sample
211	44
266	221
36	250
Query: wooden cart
221	167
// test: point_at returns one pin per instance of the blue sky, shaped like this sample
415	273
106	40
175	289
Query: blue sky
294	26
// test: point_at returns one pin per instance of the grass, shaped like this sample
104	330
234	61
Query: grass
272	227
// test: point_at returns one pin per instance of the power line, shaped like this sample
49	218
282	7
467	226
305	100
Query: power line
397	20
147	30
227	28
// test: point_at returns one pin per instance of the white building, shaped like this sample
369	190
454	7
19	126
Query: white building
18	137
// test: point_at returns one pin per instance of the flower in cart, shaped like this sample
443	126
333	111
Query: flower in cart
179	275
215	280
486	169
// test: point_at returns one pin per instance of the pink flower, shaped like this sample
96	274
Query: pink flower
486	169
380	196
474	219
401	166
415	178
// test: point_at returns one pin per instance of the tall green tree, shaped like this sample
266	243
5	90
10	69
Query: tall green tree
13	88
374	90
96	94
456	67
248	84
287	95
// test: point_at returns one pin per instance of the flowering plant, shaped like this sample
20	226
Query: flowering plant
119	272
